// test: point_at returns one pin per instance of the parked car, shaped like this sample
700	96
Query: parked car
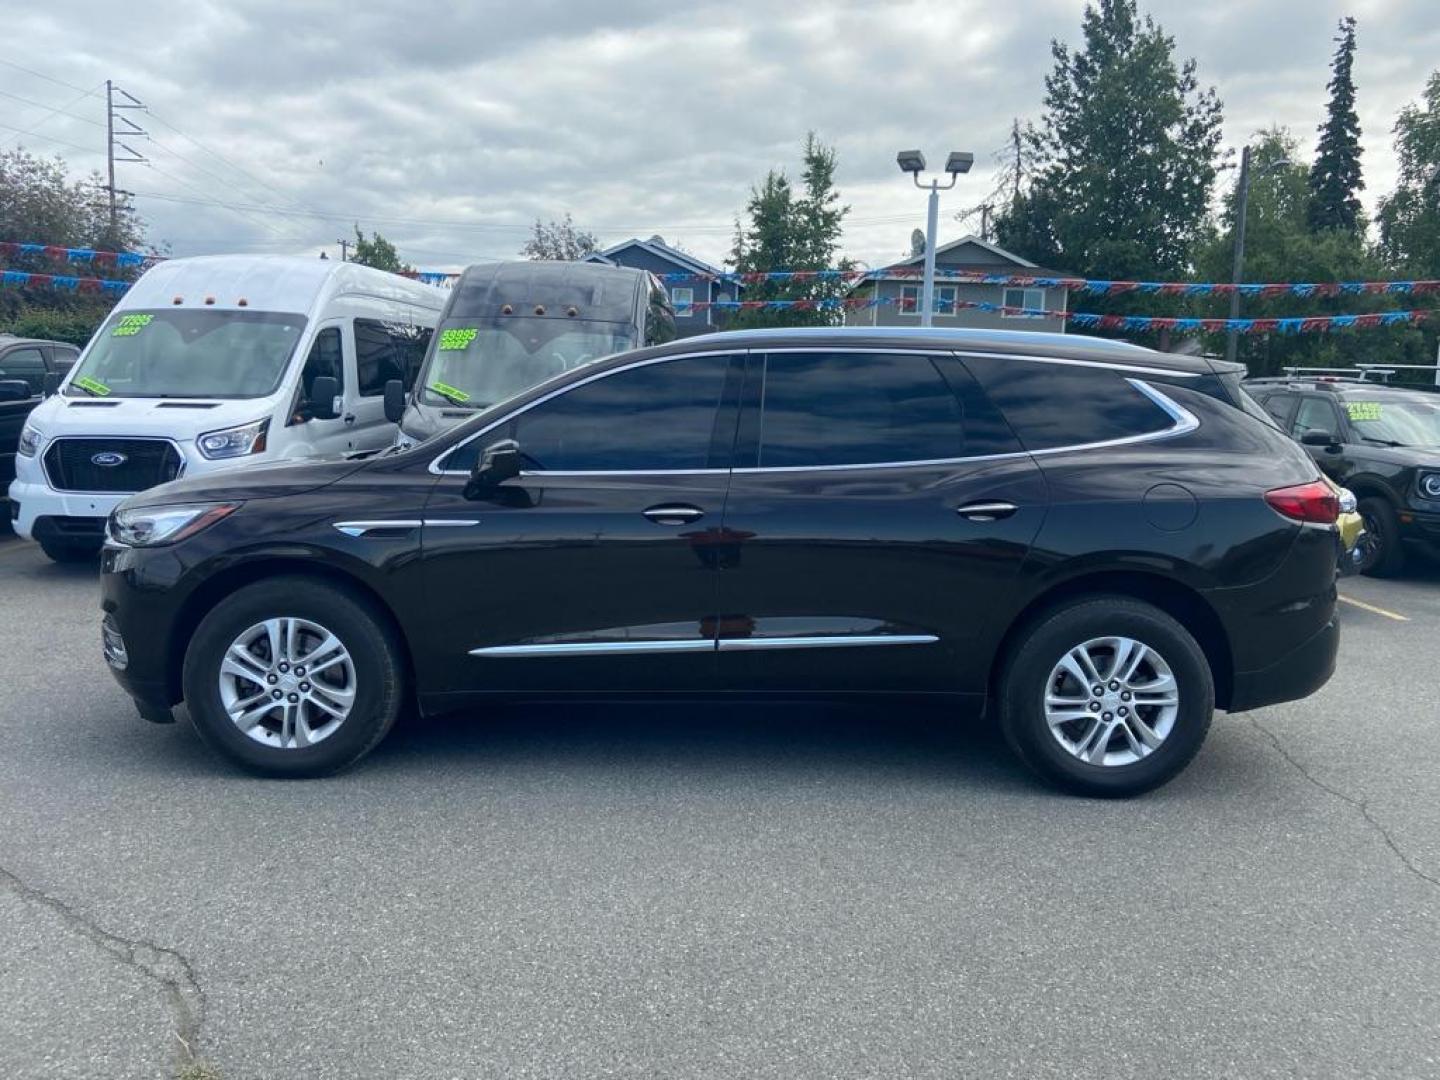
1380	441
1087	537
24	365
510	325
214	363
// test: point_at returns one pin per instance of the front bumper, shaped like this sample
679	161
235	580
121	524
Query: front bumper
1298	674
35	501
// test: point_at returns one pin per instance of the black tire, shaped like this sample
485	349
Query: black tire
61	552
379	675
1025	679
1386	557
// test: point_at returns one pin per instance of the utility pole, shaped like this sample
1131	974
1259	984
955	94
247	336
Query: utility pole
1242	205
344	250
111	141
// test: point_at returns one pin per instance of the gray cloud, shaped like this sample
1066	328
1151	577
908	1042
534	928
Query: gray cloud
450	127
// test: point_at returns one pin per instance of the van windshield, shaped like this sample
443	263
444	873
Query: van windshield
476	362
188	354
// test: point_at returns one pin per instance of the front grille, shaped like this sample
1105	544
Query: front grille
144	463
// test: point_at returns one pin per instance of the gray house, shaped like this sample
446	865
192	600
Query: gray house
969	255
660	258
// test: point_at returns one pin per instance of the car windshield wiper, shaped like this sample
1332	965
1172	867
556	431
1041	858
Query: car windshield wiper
1381	442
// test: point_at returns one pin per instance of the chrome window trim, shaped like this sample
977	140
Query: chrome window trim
1184	420
45	469
360	528
607	648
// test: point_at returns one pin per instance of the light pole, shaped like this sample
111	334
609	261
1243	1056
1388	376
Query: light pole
1242	201
913	162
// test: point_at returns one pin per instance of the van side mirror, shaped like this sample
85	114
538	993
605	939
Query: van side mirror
14	390
394	400
324	399
1316	437
499	462
50	386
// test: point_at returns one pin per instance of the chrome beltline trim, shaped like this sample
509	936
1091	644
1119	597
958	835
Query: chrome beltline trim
360	528
603	648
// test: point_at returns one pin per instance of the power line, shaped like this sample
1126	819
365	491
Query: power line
47	138
42	75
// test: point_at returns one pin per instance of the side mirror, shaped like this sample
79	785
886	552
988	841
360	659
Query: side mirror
51	384
1316	437
325	401
499	462
394	400
14	390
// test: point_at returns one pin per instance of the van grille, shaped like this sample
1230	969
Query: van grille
71	465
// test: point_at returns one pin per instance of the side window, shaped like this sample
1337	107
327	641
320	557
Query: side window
63	357
659	316
1053	405
654	418
1032	299
817	409
27	365
1280	406
1315	414
377	360
326	358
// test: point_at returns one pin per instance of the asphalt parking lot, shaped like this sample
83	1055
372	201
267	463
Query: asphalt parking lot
690	891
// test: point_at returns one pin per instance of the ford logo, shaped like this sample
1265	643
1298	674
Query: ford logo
108	459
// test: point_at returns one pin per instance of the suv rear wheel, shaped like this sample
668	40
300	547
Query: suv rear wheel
1107	696
293	677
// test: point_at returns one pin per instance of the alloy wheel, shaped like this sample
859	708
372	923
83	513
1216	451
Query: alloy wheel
287	682
1111	701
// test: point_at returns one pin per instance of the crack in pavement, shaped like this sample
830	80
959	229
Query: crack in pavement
1358	804
171	969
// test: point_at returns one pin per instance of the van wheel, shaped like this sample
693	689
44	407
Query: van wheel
60	552
1107	696
1385	554
293	677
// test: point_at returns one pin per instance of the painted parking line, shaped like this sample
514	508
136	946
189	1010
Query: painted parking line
1373	609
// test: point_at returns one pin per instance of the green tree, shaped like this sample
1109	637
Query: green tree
39	203
1335	178
560	241
1124	159
786	230
375	251
1410	215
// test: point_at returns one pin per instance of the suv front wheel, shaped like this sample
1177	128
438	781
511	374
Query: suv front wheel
1107	696
293	677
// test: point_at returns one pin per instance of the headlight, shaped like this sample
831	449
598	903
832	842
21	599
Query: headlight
234	442
1430	485
30	440
155	525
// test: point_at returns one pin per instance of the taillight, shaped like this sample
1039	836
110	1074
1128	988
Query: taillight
1315	502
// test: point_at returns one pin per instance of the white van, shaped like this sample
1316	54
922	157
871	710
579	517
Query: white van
211	363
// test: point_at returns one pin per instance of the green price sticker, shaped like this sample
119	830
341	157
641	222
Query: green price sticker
1363	410
451	340
130	325
445	390
92	386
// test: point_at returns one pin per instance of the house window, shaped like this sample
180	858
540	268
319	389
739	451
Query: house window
684	301
1024	298
912	297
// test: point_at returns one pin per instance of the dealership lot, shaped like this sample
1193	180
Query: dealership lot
710	891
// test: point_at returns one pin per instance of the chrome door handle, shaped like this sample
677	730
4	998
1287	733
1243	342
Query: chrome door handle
674	514
986	511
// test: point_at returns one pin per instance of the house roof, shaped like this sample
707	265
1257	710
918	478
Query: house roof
657	247
1023	266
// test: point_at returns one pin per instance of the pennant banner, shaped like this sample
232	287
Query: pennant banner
88	256
20	279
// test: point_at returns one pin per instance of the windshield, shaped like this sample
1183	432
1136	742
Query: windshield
188	354
1403	422
479	361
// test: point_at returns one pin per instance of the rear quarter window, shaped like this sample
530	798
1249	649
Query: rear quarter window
1054	405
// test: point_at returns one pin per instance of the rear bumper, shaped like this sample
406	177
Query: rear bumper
1298	674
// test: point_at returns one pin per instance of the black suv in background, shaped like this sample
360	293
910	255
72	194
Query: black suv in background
1094	540
24	365
1380	441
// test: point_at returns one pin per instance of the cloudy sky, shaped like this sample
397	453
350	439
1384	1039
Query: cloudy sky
275	124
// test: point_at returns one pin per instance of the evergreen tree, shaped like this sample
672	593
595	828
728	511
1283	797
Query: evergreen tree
790	231
1335	179
1124	159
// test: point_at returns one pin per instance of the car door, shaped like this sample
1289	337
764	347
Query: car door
25	363
878	514
595	569
333	356
1316	412
384	350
